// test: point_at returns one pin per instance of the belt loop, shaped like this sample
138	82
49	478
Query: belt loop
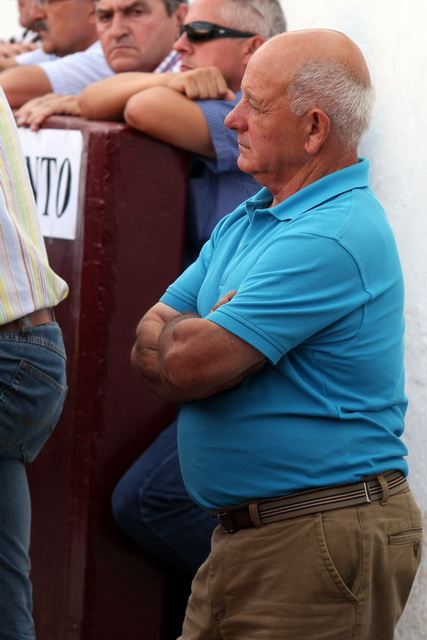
384	486
27	325
254	514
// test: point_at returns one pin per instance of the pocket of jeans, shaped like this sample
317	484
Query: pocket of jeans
31	404
341	550
412	537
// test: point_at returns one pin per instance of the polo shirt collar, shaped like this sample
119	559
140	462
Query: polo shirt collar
353	177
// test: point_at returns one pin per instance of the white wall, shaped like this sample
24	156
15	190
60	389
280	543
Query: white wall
9	18
392	37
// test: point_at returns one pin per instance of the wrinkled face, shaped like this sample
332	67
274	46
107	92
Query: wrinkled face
65	26
136	35
270	136
224	53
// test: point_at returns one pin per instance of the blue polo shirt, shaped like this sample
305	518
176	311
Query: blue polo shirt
320	294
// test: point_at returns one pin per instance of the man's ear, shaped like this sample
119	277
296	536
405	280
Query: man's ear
91	13
180	13
318	127
251	45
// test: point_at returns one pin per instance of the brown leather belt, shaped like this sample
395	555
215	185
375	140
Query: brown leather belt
42	316
258	513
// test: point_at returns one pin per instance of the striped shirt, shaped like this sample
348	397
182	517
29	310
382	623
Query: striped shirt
27	283
172	62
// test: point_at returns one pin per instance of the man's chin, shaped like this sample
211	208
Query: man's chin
48	46
244	164
121	64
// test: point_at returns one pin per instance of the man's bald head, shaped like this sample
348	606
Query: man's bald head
325	69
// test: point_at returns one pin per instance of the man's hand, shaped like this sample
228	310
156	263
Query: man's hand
201	84
225	298
34	112
144	355
12	49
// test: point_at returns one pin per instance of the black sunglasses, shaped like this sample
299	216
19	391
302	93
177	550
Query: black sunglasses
199	31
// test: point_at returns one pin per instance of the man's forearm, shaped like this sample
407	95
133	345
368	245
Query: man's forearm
183	357
189	368
24	82
106	99
145	352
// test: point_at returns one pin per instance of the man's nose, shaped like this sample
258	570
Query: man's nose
233	117
37	11
183	45
119	25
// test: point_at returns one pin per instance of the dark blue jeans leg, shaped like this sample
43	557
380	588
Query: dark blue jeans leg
150	503
16	622
32	392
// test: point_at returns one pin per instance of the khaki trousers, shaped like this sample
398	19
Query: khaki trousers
344	574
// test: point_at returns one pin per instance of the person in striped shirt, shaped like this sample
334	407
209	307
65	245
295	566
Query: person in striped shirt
33	382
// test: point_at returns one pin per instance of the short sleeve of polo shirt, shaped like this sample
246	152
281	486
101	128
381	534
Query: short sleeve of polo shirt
300	287
73	73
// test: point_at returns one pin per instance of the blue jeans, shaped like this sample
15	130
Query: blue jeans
150	503
32	393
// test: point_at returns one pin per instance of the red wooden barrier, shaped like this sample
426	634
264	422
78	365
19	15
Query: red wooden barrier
90	581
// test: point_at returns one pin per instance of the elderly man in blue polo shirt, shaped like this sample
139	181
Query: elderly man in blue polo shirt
284	343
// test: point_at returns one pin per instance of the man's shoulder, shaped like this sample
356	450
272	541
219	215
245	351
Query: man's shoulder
94	53
71	74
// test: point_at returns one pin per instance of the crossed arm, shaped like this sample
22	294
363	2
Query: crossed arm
183	357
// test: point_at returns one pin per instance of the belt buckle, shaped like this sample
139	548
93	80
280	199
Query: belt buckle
367	492
228	528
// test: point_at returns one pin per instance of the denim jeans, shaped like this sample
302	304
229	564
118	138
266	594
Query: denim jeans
32	393
150	503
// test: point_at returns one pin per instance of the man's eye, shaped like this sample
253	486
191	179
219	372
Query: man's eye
103	17
135	12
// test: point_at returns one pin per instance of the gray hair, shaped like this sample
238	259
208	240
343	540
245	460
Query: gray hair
172	5
262	17
333	88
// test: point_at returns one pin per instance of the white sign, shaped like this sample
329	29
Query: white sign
53	159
